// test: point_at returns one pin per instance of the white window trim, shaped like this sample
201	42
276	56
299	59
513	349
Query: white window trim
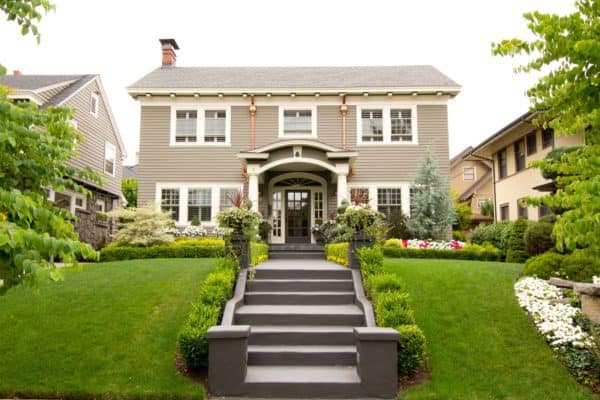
109	145
183	188
72	195
387	124
97	98
101	203
474	174
373	199
481	201
313	121
200	124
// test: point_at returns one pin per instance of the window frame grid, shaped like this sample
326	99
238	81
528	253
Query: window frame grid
171	204
387	123
297	107
473	177
200	124
202	202
108	146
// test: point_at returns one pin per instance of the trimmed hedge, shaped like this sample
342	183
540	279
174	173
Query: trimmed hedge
376	284
259	253
468	253
337	253
392	309
579	266
214	293
198	248
411	348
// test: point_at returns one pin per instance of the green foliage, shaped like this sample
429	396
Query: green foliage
216	289
393	242
35	145
580	266
337	253
482	253
544	266
459	235
240	220
538	238
129	187
516	242
382	283
433	212
462	212
583	364
392	309
370	260
548	169
200	248
497	234
264	229
143	226
27	14
360	218
549	218
411	348
565	50
487	209
397	224
259	253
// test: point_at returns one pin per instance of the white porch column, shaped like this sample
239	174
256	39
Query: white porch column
253	190
342	188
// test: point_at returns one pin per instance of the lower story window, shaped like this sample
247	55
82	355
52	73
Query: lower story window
318	206
199	204
169	201
227	197
481	202
100	206
276	228
504	216
359	195
544	210
522	208
389	200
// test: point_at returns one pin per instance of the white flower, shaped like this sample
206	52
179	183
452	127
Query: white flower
596	280
554	321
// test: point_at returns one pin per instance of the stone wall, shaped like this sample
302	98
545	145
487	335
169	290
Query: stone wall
93	227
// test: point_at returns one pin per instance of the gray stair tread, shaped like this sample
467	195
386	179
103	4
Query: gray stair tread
301	374
300	280
301	328
301	349
300	267
300	264
302	293
345	309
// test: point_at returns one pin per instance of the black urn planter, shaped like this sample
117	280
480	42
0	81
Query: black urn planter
239	248
357	241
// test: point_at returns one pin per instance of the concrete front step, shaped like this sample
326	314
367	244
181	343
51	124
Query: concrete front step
301	335
296	247
301	355
294	255
299	298
313	381
349	315
302	273
300	285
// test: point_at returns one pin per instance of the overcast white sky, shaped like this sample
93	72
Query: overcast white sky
119	41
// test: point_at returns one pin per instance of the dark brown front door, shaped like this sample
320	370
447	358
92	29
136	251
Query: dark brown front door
297	216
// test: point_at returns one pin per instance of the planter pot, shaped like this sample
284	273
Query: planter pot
239	248
358	240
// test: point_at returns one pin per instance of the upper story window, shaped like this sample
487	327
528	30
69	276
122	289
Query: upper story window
208	125
186	126
215	126
519	155
522	210
502	164
110	158
547	138
531	140
386	124
94	104
468	173
297	121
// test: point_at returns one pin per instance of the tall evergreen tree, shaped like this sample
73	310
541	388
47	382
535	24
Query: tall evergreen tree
432	211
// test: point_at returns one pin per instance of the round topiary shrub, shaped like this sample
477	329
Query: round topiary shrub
580	266
411	348
393	243
538	238
544	266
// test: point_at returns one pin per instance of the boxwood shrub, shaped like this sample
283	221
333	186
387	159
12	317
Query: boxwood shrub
259	253
411	348
481	253
392	309
382	284
197	248
337	253
214	292
544	266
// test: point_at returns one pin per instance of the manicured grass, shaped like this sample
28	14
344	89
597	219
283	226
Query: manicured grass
481	345
107	331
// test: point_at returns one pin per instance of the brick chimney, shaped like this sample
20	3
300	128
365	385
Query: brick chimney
16	72
168	47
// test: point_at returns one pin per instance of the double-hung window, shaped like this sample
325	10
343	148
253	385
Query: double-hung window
215	126
372	125
169	201
522	209
389	200
359	195
186	126
520	155
401	120
468	173
226	197
502	164
547	138
504	213
110	158
199	204
297	121
531	143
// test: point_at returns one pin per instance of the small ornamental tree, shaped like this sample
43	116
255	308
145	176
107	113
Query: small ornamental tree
432	211
143	226
129	187
463	213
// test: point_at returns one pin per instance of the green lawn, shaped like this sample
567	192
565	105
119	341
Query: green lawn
107	331
481	345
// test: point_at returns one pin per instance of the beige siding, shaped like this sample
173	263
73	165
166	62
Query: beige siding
329	125
398	163
97	132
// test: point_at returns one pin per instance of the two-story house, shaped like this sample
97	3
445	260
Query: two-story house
102	148
297	140
511	150
472	180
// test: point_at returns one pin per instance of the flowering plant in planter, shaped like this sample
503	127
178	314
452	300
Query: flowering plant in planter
241	220
360	218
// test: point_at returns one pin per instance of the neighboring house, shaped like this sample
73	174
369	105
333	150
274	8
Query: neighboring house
510	151
472	180
102	149
130	171
297	140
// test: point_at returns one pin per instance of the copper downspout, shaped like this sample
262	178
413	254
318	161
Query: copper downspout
344	111
252	110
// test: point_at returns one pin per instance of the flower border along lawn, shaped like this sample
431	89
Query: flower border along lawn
481	344
107	331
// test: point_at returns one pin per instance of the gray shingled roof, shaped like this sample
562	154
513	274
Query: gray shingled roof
68	91
34	82
294	77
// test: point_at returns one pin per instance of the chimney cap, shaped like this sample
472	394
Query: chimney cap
170	42
17	72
